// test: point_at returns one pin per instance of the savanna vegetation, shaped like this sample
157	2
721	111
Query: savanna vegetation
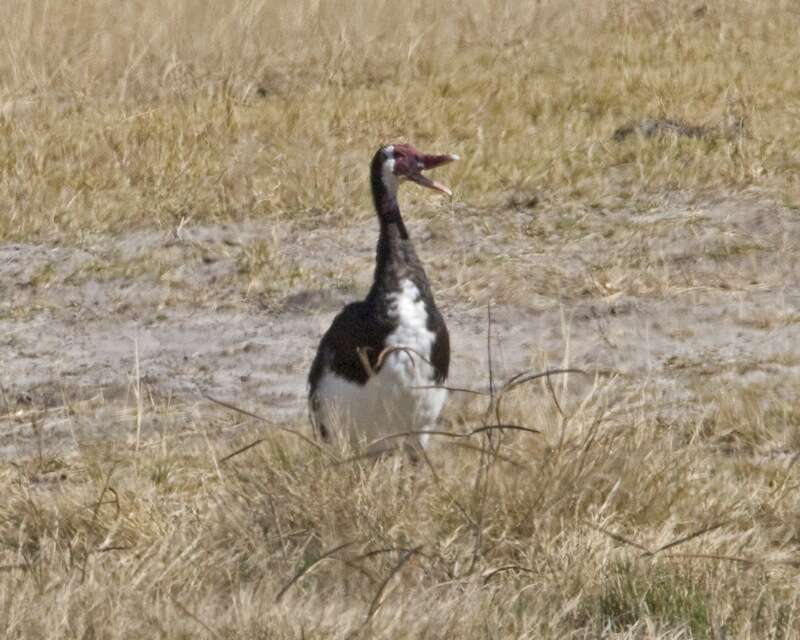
621	508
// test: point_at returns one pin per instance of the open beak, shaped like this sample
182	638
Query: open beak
430	162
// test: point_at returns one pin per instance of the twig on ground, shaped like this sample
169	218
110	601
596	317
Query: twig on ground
193	616
376	601
651	553
529	376
255	416
488	575
327	554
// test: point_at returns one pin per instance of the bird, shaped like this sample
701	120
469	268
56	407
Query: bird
380	368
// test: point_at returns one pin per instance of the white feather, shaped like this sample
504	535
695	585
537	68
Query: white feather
388	403
388	176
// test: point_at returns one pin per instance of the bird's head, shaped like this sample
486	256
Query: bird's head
395	163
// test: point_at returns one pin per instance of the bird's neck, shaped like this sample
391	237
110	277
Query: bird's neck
396	259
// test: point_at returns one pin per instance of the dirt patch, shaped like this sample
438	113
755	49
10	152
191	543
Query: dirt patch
674	296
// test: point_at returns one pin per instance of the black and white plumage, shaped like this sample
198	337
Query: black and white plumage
369	376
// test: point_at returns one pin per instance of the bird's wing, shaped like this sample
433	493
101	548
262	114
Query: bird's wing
353	335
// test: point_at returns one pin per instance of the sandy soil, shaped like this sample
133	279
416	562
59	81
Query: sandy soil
236	312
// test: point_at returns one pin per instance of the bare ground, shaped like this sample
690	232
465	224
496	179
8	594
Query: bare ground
674	295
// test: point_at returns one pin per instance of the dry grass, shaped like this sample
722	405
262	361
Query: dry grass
632	514
617	520
154	112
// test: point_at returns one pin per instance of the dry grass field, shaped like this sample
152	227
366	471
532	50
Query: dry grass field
183	207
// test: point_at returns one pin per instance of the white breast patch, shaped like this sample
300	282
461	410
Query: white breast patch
388	403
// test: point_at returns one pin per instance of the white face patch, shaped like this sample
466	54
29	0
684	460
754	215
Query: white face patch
390	180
